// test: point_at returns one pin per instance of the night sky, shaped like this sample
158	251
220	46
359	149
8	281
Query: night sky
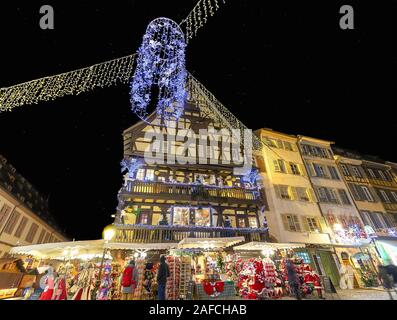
286	66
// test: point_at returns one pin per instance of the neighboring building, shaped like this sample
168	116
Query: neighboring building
168	202
336	205
355	171
293	214
24	214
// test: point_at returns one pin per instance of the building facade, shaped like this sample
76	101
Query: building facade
24	214
170	200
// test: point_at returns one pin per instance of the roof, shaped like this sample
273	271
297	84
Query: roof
22	190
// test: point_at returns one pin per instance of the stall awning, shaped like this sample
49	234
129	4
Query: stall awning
209	243
62	250
140	246
259	246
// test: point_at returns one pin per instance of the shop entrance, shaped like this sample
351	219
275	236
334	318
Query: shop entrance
327	264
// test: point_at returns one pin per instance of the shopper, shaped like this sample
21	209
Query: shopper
129	281
293	280
162	275
387	280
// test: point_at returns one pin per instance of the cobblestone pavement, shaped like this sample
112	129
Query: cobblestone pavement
356	294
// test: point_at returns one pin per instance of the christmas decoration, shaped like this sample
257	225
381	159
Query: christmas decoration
213	289
131	165
161	63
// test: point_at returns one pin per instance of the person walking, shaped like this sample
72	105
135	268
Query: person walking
387	280
129	281
293	280
162	274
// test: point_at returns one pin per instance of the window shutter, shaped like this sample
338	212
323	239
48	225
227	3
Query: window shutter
293	193
311	195
285	222
297	224
306	226
310	170
277	190
276	166
352	188
288	167
321	224
301	170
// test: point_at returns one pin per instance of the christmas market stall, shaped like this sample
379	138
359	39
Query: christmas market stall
264	271
201	268
72	270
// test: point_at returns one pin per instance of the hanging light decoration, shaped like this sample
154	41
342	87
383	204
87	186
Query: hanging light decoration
161	63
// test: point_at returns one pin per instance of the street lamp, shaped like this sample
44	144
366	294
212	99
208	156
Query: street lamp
107	234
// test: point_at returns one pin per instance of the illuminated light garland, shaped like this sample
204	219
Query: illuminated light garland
199	16
75	82
100	75
161	63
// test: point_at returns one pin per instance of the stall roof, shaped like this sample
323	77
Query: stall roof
209	243
258	246
141	246
57	250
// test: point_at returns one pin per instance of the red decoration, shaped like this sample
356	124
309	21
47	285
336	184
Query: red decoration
213	289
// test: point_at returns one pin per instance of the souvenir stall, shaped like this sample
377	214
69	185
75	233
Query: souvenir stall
72	269
259	269
201	268
146	257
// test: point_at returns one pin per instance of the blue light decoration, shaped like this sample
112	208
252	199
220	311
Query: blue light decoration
161	63
132	166
252	177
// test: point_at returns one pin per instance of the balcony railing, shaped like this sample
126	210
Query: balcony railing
190	191
174	234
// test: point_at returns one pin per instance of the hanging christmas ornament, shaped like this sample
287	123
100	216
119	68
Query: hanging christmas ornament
161	64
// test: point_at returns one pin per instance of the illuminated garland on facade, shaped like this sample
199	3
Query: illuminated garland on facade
161	63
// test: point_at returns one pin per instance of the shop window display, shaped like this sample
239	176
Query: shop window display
203	217
181	216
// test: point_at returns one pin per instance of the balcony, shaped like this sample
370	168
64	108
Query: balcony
174	234
191	192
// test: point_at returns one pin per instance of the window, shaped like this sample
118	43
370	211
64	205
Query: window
47	237
291	223
12	221
5	210
150	174
322	195
203	217
367	219
372	173
303	194
253	222
284	192
394	196
367	194
144	218
324	153
240	223
345	170
279	166
312	224
32	232
309	168
140	175
181	216
344	197
334	173
382	175
356	172
320	172
332	196
41	237
287	146
384	196
304	256
280	144
21	227
294	168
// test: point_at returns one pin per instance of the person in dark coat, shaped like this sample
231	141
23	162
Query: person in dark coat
293	280
162	274
387	280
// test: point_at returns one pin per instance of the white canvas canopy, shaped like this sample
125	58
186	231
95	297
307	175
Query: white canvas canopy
63	250
259	246
84	250
209	243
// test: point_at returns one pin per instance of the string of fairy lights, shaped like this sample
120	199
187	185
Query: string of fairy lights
105	74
